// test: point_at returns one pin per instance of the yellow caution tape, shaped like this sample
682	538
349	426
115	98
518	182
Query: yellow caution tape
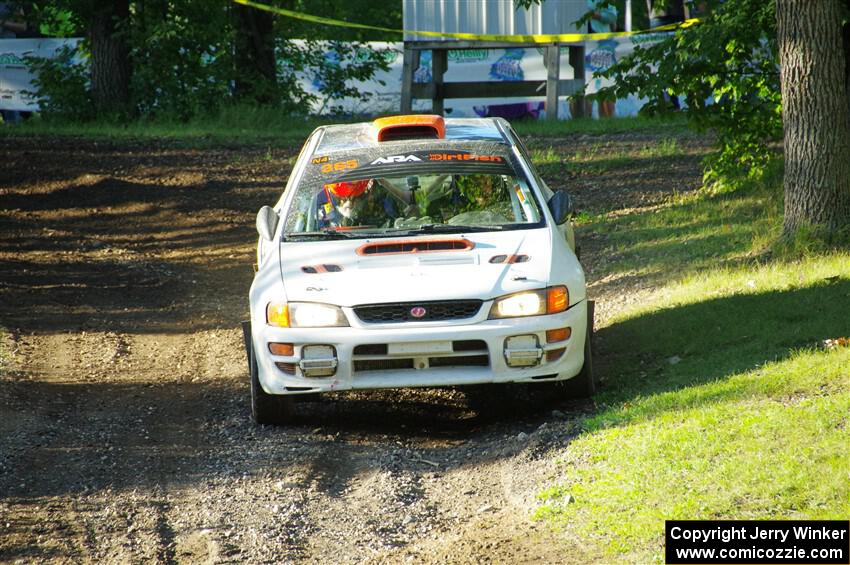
536	38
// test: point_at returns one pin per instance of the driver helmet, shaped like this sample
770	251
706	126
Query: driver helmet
348	189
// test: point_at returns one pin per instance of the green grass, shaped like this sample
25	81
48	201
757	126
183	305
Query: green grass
671	125
248	126
668	147
770	443
600	157
237	126
693	232
720	399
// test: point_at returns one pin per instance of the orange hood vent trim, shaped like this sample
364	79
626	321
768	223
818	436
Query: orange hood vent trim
415	246
417	126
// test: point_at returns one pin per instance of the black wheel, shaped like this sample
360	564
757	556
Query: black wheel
267	408
583	385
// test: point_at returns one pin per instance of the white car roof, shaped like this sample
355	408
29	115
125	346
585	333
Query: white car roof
360	135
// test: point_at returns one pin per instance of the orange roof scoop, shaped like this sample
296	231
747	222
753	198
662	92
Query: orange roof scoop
417	126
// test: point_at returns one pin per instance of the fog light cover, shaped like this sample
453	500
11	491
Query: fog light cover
318	360
522	351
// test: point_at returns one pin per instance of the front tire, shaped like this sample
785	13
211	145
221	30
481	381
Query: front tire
274	409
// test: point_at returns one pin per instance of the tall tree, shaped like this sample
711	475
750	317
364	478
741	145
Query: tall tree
755	71
182	58
110	55
254	55
815	113
726	71
846	36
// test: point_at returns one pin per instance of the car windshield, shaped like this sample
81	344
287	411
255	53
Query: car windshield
389	205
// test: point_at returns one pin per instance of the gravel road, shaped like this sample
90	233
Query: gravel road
124	419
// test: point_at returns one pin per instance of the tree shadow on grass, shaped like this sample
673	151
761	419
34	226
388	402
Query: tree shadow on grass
687	346
694	235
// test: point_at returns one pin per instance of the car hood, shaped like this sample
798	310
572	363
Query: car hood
348	273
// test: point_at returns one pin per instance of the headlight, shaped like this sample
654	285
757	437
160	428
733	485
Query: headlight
531	303
312	315
304	315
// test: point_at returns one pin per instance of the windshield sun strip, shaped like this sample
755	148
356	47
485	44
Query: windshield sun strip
510	164
422	168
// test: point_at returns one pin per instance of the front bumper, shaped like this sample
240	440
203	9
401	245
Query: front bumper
416	354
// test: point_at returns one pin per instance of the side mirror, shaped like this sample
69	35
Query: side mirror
267	220
561	206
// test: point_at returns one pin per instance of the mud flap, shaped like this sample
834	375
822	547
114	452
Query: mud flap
246	337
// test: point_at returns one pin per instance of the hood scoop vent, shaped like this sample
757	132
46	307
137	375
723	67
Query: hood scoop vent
415	246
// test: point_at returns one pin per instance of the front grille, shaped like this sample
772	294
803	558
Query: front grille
408	363
371	349
434	311
460	346
469	345
468	361
383	364
465	353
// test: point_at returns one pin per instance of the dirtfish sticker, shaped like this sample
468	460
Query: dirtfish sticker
467	55
508	67
11	59
603	56
388	56
463	157
332	61
642	38
423	73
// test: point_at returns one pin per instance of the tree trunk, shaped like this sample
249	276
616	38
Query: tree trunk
847	48
110	57
254	56
815	114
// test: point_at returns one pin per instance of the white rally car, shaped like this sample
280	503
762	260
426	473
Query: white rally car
414	251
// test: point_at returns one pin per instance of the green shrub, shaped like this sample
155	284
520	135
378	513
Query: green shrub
62	85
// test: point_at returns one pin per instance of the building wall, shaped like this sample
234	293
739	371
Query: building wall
491	17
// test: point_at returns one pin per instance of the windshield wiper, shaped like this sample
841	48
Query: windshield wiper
316	235
444	228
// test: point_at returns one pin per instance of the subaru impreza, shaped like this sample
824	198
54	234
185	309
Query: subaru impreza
415	251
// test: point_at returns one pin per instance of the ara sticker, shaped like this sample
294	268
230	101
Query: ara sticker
395	159
339	166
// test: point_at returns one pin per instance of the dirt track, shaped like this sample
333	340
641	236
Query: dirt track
124	427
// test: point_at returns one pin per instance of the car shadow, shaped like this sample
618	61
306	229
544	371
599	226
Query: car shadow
85	437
